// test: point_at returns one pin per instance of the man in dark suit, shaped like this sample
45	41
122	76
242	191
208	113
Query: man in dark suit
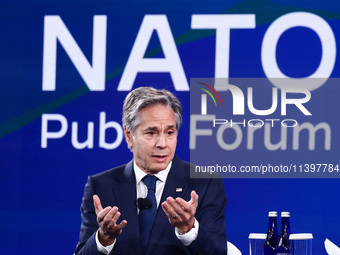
164	211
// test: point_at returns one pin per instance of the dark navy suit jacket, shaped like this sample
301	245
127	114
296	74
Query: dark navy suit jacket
117	187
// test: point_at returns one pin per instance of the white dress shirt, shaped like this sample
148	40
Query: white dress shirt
142	191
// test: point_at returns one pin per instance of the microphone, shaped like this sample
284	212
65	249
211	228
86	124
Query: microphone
144	203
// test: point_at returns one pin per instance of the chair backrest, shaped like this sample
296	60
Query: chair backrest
232	249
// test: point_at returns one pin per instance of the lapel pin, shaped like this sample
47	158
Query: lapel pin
178	189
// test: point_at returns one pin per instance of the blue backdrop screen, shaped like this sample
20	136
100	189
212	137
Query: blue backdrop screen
66	67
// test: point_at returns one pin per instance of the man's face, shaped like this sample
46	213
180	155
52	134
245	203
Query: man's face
155	139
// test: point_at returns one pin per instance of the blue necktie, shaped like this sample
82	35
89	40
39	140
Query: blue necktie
147	215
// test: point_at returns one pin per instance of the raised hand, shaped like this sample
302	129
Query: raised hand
181	213
107	219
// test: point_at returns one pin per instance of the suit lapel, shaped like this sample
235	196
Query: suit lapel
125	193
177	179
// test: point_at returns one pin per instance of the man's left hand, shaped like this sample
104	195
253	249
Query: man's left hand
181	213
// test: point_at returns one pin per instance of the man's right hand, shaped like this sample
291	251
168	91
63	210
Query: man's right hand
107	219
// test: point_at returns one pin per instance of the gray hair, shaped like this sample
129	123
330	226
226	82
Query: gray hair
143	97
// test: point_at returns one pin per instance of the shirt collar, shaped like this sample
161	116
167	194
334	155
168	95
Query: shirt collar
161	175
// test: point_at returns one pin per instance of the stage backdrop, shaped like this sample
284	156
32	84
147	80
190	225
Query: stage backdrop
66	66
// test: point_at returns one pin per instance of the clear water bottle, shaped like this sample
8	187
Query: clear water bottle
270	244
283	247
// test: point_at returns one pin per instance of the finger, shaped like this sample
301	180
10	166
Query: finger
172	207
180	206
185	206
116	216
110	215
97	204
122	224
102	214
194	199
173	204
165	207
111	218
119	228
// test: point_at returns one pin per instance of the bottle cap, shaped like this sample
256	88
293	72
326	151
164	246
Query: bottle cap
272	214
285	214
